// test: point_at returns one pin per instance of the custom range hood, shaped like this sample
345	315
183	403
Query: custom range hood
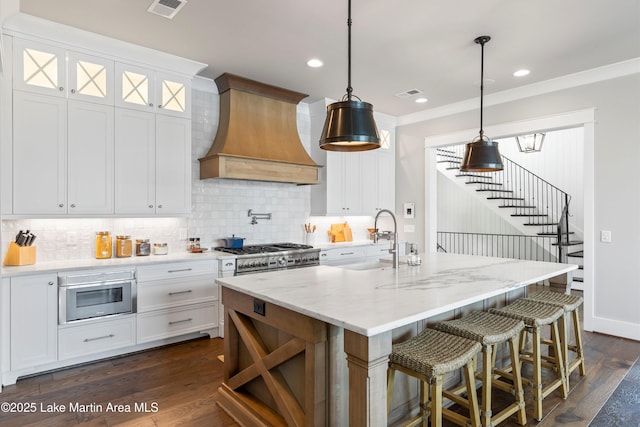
257	135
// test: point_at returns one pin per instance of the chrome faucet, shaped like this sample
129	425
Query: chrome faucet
394	248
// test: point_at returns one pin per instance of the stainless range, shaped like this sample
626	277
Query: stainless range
272	256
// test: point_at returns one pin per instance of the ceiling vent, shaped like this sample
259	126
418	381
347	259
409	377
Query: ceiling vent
409	93
166	8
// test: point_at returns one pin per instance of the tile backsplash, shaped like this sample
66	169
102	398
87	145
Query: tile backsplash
219	206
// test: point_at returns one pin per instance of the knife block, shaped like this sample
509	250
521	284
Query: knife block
20	255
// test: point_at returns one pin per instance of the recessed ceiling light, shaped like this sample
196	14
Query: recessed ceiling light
521	73
421	100
315	63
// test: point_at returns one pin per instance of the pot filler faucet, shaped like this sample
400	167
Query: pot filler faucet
394	248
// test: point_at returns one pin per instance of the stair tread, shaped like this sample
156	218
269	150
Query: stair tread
483	182
529	215
451	168
540	224
570	243
495	191
576	254
474	175
505	198
442	150
578	279
517	206
552	234
448	161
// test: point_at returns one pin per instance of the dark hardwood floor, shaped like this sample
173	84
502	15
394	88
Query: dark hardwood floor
179	383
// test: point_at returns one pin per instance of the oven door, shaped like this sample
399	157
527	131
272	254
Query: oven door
87	301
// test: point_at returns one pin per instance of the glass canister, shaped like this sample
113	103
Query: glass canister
160	249
103	245
124	246
143	247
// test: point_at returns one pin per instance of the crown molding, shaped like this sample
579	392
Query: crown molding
607	72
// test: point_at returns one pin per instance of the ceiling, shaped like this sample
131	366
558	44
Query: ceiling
396	45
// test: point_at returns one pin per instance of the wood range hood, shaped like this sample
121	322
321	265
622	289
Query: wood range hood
257	135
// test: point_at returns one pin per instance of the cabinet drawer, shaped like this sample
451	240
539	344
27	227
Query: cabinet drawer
379	250
345	253
74	341
176	321
176	270
174	293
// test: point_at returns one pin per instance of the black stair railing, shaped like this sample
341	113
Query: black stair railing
517	246
542	204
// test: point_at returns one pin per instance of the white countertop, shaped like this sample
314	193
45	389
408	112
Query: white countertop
373	301
91	263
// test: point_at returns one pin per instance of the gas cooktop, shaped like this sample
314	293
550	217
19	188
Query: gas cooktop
273	256
264	248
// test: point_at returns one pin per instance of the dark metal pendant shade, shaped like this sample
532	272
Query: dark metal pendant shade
350	126
481	156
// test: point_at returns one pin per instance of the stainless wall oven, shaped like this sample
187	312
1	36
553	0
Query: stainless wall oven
90	295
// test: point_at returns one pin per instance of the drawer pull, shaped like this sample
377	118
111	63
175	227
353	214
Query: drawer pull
98	338
346	253
181	292
180	270
180	321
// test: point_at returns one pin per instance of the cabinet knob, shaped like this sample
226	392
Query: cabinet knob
151	104
159	206
61	205
159	106
73	205
50	283
73	91
61	89
150	206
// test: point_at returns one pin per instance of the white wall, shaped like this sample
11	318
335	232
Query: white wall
611	300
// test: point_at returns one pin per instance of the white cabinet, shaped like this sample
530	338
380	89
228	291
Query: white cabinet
48	70
62	156
176	299
358	183
102	335
34	320
343	255
145	90
153	163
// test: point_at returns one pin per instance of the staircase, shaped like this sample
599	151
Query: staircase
532	205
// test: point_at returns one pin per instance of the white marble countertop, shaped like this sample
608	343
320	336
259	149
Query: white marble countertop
90	263
373	301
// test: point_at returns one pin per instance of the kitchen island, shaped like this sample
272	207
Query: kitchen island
280	329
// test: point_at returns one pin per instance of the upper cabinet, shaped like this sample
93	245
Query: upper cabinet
145	90
358	183
71	136
53	71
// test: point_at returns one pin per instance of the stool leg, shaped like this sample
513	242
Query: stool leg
518	390
470	379
436	400
537	374
555	337
487	374
578	339
563	324
424	403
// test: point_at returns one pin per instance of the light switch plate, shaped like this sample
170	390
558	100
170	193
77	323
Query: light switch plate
409	210
605	236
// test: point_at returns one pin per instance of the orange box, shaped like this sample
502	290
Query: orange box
20	255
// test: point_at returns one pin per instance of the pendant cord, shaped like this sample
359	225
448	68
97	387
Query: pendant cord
481	87
349	88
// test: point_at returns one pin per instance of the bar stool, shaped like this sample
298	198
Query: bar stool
429	356
570	304
535	316
490	330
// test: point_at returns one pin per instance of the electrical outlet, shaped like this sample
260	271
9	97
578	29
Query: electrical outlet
259	307
605	236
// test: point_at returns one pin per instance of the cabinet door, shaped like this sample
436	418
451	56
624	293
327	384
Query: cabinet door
135	87
90	78
335	183
39	154
90	147
39	68
174	96
386	181
352	184
370	182
173	165
134	162
34	320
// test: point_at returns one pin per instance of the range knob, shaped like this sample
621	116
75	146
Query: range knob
282	261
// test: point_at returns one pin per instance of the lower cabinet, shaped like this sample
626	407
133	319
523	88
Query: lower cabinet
33	321
176	299
97	336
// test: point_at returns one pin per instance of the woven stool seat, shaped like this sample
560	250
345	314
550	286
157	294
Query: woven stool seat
485	328
531	313
567	301
428	357
490	330
570	304
433	353
536	315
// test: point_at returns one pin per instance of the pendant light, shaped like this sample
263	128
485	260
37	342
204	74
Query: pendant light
481	154
349	125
